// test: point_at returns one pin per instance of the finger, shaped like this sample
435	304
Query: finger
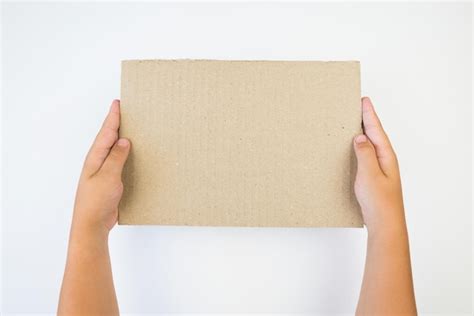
367	163
104	140
375	132
113	164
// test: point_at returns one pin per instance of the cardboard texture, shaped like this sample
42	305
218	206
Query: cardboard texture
240	143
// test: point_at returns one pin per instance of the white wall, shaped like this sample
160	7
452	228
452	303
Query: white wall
61	69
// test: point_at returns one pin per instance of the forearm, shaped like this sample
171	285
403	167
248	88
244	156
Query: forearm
88	287
387	287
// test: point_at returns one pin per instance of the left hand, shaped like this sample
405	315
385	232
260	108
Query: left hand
100	186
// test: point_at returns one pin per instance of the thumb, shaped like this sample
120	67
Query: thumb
117	157
367	163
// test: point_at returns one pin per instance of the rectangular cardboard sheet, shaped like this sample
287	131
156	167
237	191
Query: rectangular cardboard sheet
240	143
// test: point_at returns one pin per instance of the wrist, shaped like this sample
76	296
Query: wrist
388	227
87	244
86	241
389	233
82	229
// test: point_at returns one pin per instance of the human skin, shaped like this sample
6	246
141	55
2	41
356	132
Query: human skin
387	287
88	287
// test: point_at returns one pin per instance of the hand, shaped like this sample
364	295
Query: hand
377	184
387	288
100	185
88	287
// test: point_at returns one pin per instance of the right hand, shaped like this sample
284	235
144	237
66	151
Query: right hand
377	185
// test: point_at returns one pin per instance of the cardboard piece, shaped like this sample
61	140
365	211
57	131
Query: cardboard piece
240	143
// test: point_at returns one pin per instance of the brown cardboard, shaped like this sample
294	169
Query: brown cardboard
240	143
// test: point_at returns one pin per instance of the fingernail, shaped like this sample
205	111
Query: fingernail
361	139
366	103
122	142
115	105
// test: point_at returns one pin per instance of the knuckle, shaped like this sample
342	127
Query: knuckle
116	153
113	154
365	147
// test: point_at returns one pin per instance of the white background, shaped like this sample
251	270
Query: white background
61	70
